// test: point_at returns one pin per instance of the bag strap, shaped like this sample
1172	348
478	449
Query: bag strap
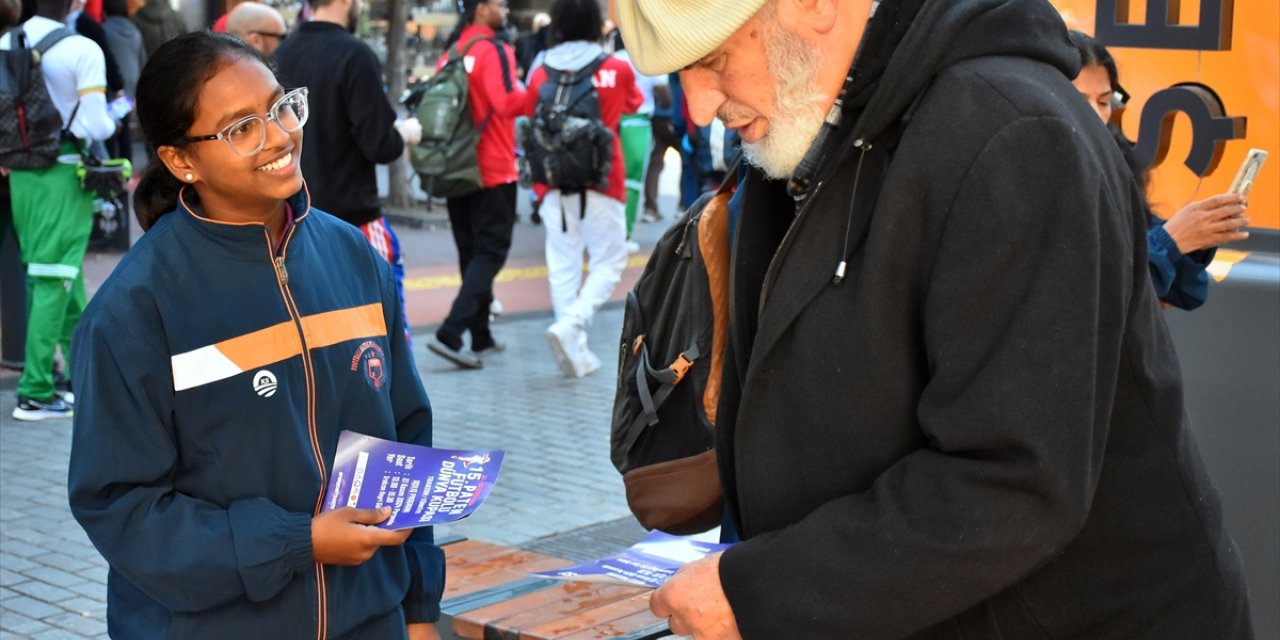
667	377
18	37
52	38
502	58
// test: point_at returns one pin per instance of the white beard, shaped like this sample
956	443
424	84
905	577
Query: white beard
797	103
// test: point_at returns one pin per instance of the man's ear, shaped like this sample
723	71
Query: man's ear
178	163
818	17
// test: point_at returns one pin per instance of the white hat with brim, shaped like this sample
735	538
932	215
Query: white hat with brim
668	35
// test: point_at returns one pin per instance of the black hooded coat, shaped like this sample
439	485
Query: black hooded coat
979	431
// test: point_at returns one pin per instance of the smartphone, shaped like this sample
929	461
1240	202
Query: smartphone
120	107
1248	171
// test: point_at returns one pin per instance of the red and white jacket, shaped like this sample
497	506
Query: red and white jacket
496	150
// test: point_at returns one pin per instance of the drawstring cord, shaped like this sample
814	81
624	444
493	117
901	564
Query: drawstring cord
853	199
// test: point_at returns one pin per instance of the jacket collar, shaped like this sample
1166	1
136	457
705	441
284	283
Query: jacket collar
244	240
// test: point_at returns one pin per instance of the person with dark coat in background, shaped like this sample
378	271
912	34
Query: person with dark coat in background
158	23
125	41
950	406
353	128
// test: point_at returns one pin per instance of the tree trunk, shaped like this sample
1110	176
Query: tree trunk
399	193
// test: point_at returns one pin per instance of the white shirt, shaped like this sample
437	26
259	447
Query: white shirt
74	72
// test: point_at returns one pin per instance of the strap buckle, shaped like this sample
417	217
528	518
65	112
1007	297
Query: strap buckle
680	367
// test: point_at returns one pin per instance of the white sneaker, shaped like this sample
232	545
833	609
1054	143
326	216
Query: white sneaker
588	363
564	336
633	247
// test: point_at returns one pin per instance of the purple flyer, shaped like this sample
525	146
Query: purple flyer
423	486
648	563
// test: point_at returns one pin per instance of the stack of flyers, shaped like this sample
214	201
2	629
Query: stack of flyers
648	563
423	486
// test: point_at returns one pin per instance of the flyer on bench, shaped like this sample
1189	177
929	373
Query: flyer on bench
423	486
648	563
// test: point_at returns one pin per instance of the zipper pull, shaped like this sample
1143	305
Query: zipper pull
283	273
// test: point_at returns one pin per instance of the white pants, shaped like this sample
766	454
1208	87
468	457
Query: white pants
602	233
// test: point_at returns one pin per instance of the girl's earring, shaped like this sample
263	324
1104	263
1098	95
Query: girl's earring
190	177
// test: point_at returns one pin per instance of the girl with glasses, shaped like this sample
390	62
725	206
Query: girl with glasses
1178	249
217	366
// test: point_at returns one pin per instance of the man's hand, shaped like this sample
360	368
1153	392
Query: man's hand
410	130
344	536
1208	223
423	631
695	602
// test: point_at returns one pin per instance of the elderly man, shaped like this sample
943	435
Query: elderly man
257	24
951	406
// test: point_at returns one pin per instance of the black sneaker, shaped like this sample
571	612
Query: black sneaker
462	356
32	410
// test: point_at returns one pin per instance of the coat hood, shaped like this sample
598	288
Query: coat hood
573	55
932	35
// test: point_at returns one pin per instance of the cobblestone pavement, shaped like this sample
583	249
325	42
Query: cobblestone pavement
53	582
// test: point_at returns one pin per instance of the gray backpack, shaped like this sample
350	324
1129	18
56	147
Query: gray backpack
30	125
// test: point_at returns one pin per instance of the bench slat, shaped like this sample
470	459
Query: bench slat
496	570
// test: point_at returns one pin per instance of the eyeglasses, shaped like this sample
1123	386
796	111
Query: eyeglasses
281	36
248	135
1119	97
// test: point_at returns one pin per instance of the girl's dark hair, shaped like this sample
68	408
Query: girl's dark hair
167	91
1093	52
575	20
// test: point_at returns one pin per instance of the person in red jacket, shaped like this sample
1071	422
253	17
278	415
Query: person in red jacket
601	229
482	221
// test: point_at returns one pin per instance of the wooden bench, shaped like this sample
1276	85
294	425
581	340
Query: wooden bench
490	596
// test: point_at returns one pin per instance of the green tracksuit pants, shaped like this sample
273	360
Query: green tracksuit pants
636	135
53	217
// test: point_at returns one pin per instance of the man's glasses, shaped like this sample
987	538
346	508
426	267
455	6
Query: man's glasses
281	36
248	135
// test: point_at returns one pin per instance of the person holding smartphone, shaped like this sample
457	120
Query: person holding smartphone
216	367
1181	247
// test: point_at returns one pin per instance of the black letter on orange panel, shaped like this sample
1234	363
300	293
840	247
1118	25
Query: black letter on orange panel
1163	29
1210	129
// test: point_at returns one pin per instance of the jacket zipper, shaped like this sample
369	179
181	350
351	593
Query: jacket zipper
308	368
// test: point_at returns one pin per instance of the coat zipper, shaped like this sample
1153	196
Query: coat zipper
308	368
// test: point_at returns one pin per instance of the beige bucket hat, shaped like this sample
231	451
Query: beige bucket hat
668	35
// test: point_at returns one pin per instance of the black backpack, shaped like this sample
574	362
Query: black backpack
566	145
669	368
30	125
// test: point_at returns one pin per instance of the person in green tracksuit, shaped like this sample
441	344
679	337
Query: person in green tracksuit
52	215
